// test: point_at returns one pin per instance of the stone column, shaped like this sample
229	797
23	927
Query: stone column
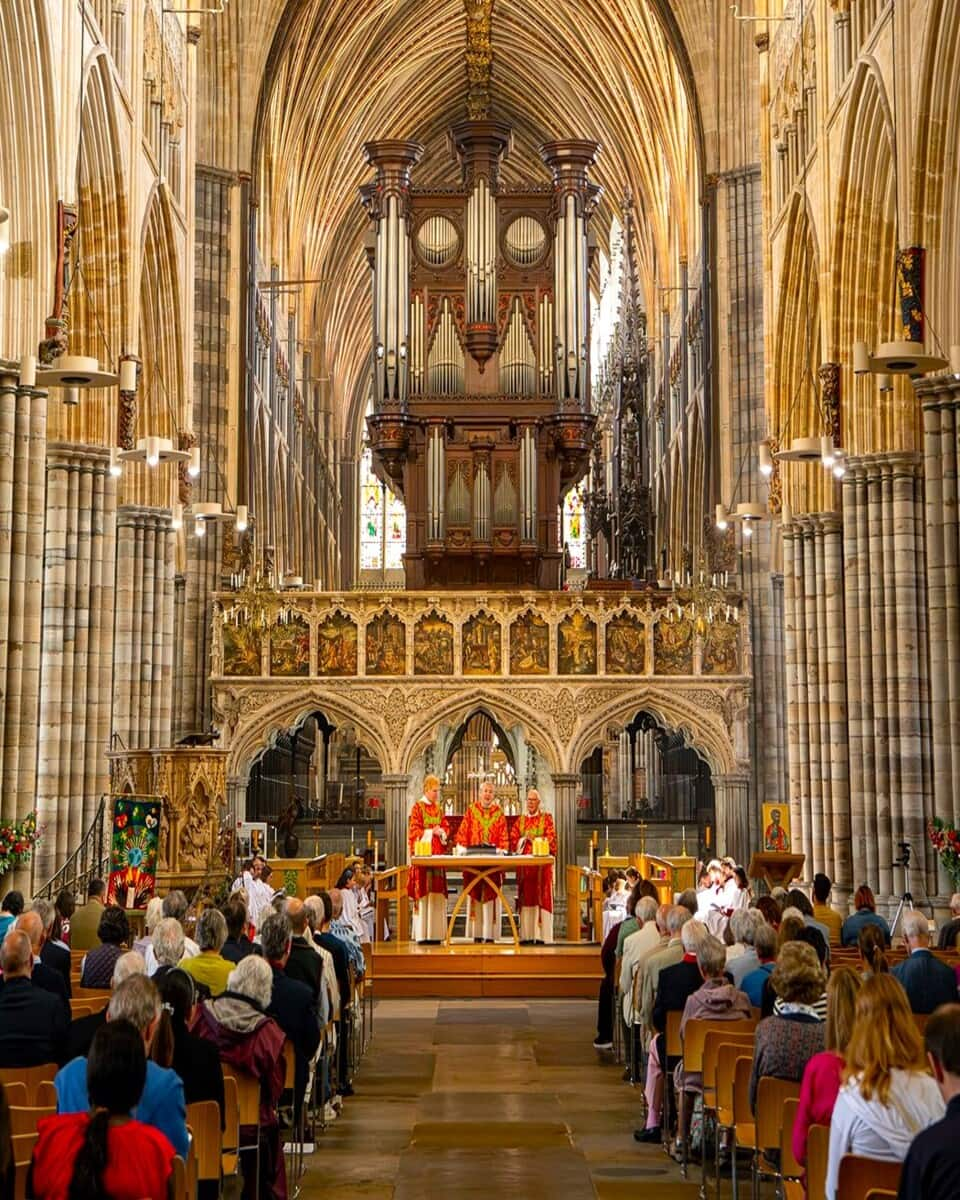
565	791
940	397
887	667
143	649
23	431
396	809
77	654
732	796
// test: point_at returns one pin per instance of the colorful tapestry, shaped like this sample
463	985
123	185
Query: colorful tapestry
133	850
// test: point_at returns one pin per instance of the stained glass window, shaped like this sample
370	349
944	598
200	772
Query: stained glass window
575	527
383	522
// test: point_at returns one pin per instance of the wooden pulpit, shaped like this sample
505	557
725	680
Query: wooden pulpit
392	889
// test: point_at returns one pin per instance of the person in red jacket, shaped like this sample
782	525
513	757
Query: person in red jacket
483	825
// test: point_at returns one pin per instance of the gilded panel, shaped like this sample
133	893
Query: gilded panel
529	645
673	647
433	645
721	649
386	646
481	645
577	645
290	648
337	646
241	650
626	645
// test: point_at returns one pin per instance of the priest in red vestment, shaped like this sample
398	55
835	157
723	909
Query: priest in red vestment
535	884
484	824
426	886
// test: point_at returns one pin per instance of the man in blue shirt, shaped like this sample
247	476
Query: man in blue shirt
932	1166
162	1104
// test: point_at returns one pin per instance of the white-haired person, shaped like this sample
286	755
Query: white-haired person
250	1041
173	908
927	981
151	919
83	1029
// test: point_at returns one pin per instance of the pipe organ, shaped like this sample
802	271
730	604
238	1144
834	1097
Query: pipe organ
480	358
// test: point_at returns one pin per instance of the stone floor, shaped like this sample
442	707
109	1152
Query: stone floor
488	1098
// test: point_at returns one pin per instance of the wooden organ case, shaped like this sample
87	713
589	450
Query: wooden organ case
481	416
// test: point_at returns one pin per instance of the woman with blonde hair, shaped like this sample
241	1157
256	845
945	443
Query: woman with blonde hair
887	1097
822	1074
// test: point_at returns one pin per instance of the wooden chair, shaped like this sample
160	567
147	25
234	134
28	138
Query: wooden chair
726	1070
715	1041
881	1194
46	1096
31	1077
818	1152
248	1100
295	1156
694	1038
673	1048
772	1095
16	1094
179	1190
96	998
744	1128
23	1145
81	1008
203	1118
230	1138
860	1176
25	1120
791	1172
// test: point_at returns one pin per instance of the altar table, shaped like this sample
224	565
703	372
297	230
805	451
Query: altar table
484	868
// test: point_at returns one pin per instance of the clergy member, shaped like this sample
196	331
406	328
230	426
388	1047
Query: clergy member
483	825
427	886
535	884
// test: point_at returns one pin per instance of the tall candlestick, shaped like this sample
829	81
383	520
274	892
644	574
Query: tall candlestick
351	839
376	856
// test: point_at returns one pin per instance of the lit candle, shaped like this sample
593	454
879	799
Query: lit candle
606	833
351	839
376	856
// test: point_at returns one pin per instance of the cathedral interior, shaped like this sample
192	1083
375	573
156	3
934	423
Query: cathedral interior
562	395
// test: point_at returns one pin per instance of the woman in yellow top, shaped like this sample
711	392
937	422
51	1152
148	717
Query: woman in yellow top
209	966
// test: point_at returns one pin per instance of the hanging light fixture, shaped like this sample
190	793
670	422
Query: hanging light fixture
153	451
241	522
828	454
193	469
765	459
116	468
801	449
721	517
176	516
199	527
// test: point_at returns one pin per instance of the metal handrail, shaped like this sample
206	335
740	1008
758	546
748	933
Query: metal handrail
88	861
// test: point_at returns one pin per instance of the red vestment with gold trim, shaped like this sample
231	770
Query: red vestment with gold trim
425	820
535	884
483	826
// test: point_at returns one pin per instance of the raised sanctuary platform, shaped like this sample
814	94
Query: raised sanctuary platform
469	971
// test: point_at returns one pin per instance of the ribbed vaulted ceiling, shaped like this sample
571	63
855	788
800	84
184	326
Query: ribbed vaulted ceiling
341	73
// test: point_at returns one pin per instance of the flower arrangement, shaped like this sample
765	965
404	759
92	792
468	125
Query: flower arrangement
945	839
17	840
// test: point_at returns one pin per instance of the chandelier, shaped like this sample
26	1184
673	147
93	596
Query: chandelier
703	601
257	603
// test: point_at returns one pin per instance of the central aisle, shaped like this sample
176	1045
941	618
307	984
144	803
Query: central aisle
488	1098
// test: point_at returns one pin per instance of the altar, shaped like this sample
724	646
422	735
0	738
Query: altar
485	868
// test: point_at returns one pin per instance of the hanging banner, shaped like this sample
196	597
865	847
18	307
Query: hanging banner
134	845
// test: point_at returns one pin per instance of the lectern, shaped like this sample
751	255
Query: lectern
777	870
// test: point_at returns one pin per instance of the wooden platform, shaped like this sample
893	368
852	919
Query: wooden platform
467	971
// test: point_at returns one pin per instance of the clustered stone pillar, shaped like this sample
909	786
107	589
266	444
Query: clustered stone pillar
396	806
23	431
941	399
887	674
732	797
816	694
77	653
565	791
143	651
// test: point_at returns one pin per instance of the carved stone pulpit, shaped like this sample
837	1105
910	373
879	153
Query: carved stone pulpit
191	782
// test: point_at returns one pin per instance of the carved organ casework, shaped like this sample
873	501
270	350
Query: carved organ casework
482	418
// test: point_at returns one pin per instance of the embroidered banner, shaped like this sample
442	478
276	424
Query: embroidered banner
133	850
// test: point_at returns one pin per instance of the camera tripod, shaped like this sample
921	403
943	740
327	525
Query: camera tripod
906	896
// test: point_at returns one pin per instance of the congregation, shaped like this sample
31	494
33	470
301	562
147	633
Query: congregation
111	1045
790	1030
